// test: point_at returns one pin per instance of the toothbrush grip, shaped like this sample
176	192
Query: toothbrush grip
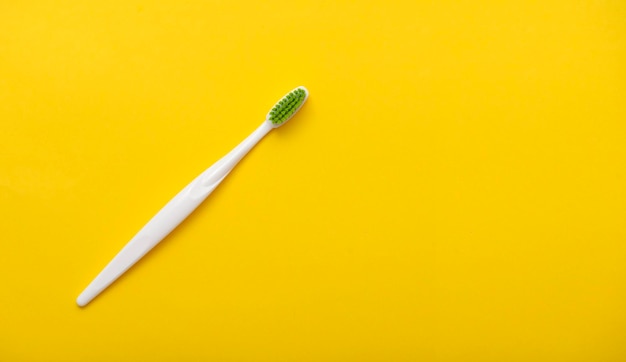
170	216
161	224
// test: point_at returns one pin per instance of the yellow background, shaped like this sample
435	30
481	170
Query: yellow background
454	189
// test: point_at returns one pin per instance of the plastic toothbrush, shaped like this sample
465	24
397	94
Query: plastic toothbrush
188	199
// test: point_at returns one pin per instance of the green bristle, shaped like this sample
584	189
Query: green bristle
287	106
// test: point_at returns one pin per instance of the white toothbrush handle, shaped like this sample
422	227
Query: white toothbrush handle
171	215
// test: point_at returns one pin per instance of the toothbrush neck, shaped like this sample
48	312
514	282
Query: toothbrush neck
247	144
226	163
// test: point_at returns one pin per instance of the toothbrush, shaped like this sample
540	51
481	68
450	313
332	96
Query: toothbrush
188	199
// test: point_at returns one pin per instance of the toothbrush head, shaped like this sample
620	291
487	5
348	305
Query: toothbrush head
287	106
